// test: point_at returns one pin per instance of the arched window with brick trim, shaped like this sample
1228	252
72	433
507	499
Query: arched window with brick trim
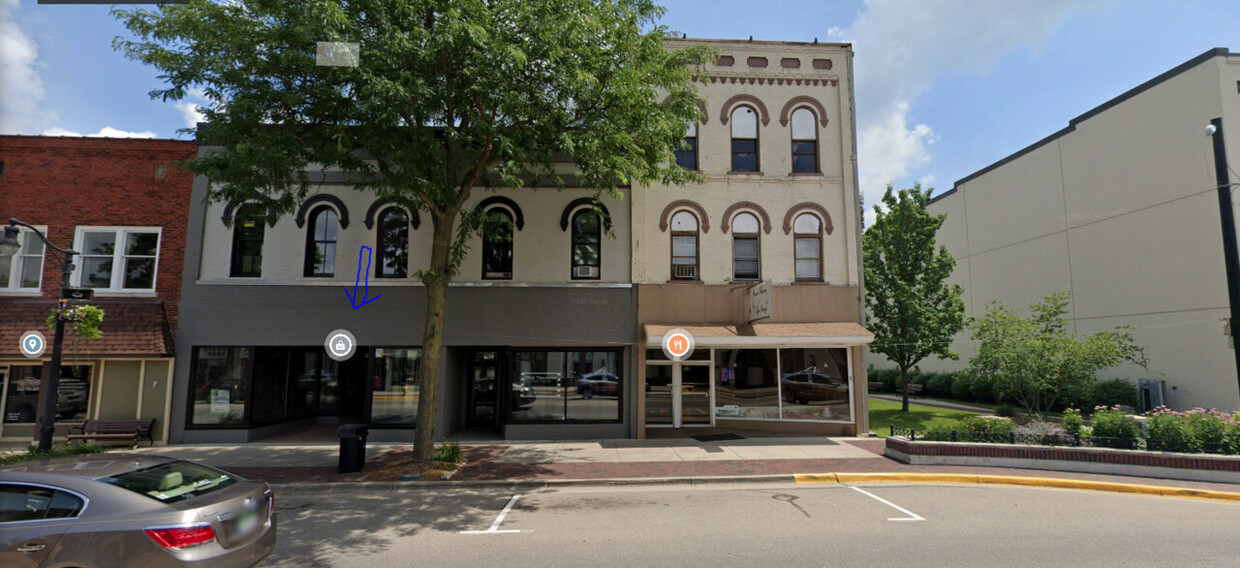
745	139
684	246
746	255
807	232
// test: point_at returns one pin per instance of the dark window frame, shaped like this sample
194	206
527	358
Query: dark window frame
489	243
312	242
812	141
381	226
257	213
798	236
687	158
746	151
697	248
576	240
509	358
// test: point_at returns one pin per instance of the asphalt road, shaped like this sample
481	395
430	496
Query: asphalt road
755	525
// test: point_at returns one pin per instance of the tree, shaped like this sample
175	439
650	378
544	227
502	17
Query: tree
914	313
448	96
1037	361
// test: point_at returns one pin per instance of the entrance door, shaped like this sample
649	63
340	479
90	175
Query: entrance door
483	389
678	395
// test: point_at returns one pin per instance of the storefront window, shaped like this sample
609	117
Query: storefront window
658	394
271	377
814	385
22	398
571	385
220	385
394	399
745	383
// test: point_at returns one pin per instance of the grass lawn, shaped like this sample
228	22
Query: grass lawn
883	414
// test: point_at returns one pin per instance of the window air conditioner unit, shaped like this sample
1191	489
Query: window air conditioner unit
684	271
499	275
585	272
1151	393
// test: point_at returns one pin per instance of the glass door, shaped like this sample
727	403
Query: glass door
658	395
695	403
483	385
678	395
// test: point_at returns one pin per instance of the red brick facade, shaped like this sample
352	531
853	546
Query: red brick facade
63	183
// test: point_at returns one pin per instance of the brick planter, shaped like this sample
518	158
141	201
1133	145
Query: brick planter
1193	467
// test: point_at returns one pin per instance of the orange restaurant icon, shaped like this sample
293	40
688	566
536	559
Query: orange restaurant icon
677	344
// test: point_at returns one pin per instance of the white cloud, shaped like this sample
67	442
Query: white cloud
105	132
189	108
21	88
904	47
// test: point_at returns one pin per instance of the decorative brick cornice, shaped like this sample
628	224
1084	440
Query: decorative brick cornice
766	80
746	206
684	204
725	113
803	101
808	206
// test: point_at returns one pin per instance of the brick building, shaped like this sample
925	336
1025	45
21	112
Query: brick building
122	204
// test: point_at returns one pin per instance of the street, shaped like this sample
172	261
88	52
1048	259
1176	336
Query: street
776	524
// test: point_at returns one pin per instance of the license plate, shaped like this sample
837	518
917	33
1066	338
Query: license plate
247	523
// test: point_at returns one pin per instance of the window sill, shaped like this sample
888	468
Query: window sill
806	174
683	281
744	173
125	293
20	292
810	283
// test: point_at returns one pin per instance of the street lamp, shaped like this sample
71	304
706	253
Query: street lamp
46	419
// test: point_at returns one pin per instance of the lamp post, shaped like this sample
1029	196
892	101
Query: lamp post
46	418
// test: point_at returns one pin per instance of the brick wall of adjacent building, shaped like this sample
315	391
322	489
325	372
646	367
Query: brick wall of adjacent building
63	183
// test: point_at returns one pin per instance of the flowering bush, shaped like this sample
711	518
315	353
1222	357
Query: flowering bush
1170	432
1072	421
1114	428
986	428
1209	428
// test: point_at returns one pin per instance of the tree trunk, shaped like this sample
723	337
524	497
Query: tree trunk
436	281
904	387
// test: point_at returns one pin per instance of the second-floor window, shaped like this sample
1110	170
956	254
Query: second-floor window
392	248
24	270
321	242
497	245
746	257
744	139
684	246
807	230
687	154
120	259
804	141
249	230
587	244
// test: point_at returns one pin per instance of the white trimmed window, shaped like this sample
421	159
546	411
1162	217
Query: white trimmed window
117	259
24	270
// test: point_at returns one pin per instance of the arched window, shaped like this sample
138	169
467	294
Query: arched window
249	228
392	246
744	139
746	258
497	245
321	242
807	230
587	245
687	154
804	141
684	246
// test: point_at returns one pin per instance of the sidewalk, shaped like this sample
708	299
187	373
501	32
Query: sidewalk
608	462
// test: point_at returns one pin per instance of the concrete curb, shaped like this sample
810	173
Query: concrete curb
1053	482
393	486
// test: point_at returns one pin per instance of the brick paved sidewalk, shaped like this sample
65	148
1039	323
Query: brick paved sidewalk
483	465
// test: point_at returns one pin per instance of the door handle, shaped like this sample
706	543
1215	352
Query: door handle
31	547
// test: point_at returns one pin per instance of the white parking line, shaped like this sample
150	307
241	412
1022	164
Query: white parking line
911	515
498	520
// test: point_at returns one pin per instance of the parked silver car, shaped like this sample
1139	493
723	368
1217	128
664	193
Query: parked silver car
131	510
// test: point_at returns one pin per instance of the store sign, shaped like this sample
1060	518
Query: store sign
220	401
760	301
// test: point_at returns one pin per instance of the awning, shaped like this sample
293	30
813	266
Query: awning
131	328
805	335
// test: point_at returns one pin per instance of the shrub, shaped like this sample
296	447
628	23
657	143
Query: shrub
55	452
1114	392
1043	433
1169	432
939	434
1072	421
986	429
889	377
940	384
1209	429
450	452
1006	410
1114	428
960	387
1233	438
982	388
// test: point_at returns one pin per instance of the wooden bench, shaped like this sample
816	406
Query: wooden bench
136	430
876	386
914	389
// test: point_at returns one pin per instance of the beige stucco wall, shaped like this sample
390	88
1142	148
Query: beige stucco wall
1121	209
541	249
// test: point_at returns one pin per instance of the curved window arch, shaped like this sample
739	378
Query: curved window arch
321	239
746	253
249	230
807	231
744	139
684	246
804	141
587	245
497	245
392	244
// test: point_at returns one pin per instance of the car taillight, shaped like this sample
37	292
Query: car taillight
181	537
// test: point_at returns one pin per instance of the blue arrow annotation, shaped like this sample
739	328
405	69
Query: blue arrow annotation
361	300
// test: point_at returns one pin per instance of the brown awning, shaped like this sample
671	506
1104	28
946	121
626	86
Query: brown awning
131	328
821	334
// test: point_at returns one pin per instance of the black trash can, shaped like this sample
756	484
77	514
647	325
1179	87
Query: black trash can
353	447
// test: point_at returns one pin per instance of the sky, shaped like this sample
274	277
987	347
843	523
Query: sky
943	87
